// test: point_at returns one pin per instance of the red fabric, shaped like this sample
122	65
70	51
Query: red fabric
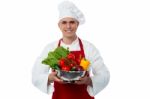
71	91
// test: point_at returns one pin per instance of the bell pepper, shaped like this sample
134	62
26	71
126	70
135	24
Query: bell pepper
84	63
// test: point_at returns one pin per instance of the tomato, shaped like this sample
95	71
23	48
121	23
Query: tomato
71	64
77	61
61	62
71	56
66	68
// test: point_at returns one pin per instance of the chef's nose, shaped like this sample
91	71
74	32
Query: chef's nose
68	25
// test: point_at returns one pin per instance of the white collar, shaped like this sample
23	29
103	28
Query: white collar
74	42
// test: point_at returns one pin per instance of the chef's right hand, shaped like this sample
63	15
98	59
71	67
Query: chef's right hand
53	77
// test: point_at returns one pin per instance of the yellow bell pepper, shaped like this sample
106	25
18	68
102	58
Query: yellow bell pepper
84	63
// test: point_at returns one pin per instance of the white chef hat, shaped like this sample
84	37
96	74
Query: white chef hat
68	9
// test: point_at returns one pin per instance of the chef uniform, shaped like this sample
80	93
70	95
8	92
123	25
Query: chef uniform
79	47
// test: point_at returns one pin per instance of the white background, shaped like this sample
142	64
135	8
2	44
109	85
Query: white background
118	28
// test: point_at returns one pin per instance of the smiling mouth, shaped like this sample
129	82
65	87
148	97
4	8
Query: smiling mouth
68	31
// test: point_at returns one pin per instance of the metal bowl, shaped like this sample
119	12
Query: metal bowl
70	76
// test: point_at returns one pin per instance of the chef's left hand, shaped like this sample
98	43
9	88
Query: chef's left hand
84	80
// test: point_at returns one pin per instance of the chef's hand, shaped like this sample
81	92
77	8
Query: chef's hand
53	77
84	80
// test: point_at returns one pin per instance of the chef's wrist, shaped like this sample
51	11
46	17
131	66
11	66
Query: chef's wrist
50	80
89	82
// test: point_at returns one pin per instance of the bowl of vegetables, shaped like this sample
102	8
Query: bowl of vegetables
68	67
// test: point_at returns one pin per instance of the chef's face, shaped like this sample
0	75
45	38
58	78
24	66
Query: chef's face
68	26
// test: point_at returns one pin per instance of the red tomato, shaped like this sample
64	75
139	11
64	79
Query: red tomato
61	62
78	61
66	68
71	56
71	65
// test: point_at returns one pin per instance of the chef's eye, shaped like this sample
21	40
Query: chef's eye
72	22
63	22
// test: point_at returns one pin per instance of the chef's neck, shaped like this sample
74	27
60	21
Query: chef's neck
69	40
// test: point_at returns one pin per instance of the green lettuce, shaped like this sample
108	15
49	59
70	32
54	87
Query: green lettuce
54	56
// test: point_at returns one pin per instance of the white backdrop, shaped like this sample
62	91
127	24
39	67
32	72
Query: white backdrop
119	28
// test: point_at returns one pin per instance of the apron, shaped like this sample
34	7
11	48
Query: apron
71	91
